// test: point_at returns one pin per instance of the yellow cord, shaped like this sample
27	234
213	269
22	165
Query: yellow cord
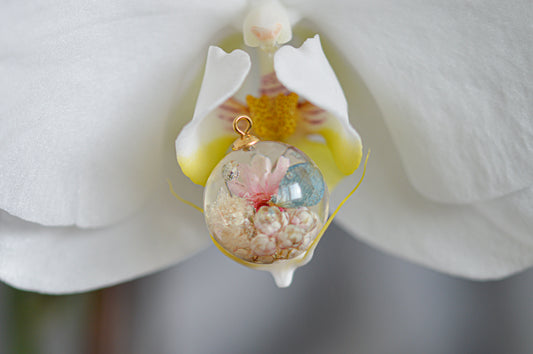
330	220
183	200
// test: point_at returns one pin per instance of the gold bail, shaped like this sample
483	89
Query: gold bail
246	140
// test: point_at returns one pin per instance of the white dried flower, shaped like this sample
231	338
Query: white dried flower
290	236
270	220
263	245
303	218
228	210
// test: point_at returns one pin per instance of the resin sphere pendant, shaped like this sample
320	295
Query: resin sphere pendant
265	203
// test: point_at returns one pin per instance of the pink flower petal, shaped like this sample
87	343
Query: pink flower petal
279	171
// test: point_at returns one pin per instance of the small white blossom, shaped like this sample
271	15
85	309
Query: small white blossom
303	218
263	245
290	236
270	220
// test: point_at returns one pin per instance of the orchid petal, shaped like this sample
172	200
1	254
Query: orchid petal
307	72
204	141
388	213
87	90
68	259
513	214
453	80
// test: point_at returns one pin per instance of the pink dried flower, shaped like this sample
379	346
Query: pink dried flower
258	181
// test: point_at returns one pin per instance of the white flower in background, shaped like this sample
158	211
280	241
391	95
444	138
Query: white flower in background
94	94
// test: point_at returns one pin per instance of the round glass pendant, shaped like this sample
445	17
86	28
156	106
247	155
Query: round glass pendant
266	203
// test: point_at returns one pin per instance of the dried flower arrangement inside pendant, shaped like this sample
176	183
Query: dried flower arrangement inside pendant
266	201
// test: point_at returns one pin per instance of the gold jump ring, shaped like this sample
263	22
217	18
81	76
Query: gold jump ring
236	125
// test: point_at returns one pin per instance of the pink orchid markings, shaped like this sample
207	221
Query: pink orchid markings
258	181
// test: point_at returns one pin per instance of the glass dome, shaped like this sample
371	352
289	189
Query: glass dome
266	203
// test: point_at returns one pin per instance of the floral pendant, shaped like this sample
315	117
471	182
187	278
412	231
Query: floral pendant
265	203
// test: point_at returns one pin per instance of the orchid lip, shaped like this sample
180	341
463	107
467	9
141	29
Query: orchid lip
212	126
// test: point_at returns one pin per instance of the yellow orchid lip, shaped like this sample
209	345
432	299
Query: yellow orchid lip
284	111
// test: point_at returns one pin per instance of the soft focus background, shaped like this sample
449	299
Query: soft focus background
349	299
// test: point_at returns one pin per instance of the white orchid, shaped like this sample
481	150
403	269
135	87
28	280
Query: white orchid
94	94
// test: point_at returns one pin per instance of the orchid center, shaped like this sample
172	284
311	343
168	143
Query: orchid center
275	118
266	202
